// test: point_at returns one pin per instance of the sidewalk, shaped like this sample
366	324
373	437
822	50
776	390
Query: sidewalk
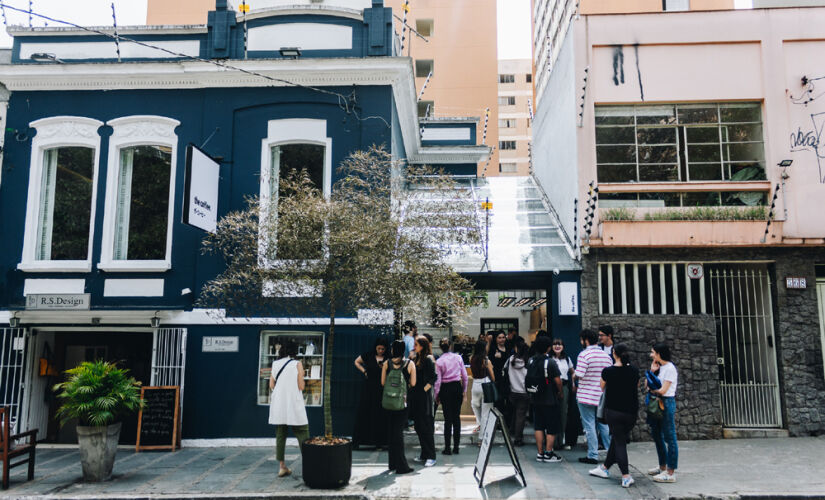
726	468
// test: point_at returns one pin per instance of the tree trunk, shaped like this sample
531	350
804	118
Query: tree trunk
328	352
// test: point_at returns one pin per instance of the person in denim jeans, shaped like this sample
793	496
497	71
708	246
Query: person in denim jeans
664	431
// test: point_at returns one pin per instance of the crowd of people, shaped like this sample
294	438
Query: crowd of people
596	395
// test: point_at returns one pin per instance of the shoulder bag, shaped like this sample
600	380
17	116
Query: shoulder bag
490	390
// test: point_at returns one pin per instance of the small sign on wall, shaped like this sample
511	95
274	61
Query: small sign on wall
58	302
796	283
220	344
568	298
695	271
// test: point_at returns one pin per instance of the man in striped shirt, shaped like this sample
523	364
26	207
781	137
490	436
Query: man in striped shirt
589	365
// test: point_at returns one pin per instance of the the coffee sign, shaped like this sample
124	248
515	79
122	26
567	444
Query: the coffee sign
59	302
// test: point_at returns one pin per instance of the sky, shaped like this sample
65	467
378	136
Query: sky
513	19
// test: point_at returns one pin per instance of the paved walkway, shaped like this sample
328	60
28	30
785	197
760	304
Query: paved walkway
708	469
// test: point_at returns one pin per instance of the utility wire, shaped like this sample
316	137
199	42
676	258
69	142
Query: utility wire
343	101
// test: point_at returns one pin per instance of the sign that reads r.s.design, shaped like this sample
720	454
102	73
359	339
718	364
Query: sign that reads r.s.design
201	200
63	301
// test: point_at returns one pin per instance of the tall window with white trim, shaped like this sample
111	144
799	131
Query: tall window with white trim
292	146
140	194
142	203
61	197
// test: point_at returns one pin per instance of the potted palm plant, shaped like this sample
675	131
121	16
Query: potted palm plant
98	394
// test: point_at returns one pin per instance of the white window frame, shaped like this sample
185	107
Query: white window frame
57	132
128	131
282	132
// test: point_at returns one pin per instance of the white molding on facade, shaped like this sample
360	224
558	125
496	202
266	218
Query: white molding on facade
160	29
445	133
56	132
306	36
54	286
508	93
134	131
321	72
133	287
167	318
293	10
68	51
433	155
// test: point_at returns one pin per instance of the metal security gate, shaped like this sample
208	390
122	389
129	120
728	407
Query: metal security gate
742	308
169	357
14	344
820	294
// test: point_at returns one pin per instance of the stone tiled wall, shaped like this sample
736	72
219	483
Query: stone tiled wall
691	340
796	323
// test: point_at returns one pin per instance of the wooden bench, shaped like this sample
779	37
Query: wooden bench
13	446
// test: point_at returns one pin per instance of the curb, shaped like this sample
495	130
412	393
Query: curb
228	496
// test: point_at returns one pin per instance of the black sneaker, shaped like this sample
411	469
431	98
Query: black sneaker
446	452
588	460
455	450
539	457
551	457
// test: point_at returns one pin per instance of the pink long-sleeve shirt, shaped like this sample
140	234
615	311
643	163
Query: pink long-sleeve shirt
449	367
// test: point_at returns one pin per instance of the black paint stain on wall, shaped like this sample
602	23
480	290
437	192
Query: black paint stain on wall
639	71
618	65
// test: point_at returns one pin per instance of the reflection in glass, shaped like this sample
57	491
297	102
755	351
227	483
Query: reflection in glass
65	204
143	203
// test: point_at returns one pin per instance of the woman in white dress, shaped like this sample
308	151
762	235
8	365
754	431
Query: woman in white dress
286	404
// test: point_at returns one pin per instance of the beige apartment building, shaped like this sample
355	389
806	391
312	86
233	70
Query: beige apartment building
461	51
455	41
515	93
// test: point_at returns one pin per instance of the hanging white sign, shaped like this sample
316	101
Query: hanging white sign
568	298
201	197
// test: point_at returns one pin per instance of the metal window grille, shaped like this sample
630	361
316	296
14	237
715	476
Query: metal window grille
749	382
169	358
649	288
14	343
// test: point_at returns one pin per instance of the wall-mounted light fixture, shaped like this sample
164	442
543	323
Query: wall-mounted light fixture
293	52
14	321
155	321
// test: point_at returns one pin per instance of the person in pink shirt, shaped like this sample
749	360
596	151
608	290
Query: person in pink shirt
450	387
589	365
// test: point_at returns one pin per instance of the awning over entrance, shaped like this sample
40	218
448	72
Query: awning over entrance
522	233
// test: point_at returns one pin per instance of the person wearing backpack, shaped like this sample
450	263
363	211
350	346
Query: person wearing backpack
396	377
543	383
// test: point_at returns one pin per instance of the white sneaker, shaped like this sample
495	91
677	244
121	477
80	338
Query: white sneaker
664	477
429	463
655	471
627	482
600	471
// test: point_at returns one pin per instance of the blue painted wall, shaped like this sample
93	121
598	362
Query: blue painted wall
220	400
241	114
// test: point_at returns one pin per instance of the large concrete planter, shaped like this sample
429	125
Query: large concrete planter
98	447
326	466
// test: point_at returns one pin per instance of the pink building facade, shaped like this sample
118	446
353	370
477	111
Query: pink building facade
683	152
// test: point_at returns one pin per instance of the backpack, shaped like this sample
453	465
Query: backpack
394	397
535	381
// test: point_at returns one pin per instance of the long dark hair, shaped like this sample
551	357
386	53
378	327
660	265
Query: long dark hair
426	350
623	353
382	340
398	349
662	349
522	351
478	357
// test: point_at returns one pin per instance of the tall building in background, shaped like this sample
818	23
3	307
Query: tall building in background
455	41
551	18
515	92
461	52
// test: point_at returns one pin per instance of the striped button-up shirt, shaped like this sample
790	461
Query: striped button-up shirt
589	366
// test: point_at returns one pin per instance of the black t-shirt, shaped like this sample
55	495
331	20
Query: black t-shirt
622	388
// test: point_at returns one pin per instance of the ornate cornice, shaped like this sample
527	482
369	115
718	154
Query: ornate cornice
66	129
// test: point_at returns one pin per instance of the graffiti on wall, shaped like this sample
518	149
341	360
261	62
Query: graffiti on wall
618	68
810	139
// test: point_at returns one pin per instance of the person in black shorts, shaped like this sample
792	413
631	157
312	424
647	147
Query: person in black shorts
545	400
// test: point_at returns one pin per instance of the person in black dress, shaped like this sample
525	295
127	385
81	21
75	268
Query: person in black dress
498	355
371	427
421	395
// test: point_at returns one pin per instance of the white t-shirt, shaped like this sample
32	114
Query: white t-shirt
564	366
668	373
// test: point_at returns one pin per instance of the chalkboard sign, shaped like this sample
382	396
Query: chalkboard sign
159	418
495	420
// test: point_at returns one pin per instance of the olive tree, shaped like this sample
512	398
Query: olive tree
379	240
